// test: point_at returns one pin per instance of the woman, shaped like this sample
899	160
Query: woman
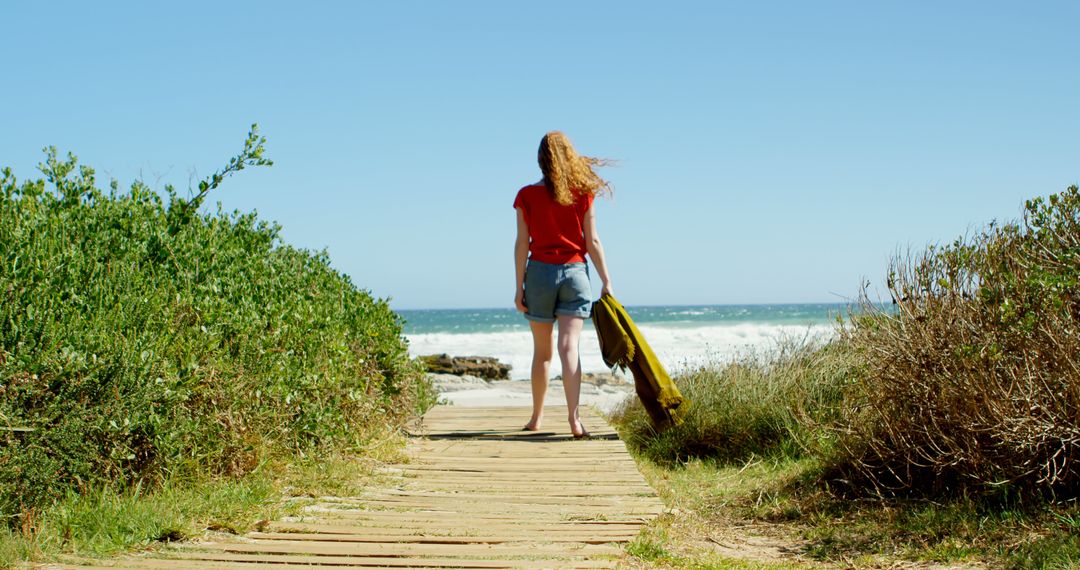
556	228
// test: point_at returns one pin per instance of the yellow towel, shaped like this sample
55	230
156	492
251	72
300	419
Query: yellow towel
622	345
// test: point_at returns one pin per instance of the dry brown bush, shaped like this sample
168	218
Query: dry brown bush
971	383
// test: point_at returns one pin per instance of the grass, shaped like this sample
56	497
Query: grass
649	546
110	521
773	512
954	532
667	544
769	501
761	404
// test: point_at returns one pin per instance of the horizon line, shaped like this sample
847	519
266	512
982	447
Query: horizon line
641	305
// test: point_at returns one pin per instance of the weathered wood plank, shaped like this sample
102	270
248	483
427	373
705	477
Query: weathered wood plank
563	490
407	516
556	504
329	526
396	549
439	475
390	561
496	537
510	518
224	561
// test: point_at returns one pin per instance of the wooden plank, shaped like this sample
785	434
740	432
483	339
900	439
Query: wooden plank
514	428
439	517
479	519
489	502
412	526
392	561
375	549
598	462
515	444
366	562
582	468
594	511
474	454
438	538
562	490
494	494
469	505
421	471
394	512
496	436
226	561
437	475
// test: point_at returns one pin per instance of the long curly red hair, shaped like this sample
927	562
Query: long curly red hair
566	172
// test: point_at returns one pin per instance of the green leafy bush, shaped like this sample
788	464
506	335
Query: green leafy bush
141	338
972	384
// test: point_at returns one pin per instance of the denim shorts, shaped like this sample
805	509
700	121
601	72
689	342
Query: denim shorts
554	289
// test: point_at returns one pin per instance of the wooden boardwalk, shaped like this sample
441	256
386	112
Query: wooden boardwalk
477	493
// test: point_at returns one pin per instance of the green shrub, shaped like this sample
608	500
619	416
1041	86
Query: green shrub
141	338
972	384
776	403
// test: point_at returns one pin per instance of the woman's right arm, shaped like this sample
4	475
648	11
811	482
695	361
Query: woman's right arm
521	256
596	250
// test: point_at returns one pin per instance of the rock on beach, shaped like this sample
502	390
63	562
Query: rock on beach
482	366
604	390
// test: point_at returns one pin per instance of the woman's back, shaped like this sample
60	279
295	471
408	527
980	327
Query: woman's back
556	232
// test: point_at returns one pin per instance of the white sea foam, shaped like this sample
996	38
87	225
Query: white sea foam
677	347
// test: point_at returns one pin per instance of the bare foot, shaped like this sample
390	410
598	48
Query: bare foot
533	425
578	430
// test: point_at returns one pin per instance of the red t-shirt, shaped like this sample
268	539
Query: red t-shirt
556	232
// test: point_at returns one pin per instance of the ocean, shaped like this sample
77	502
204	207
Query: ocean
683	337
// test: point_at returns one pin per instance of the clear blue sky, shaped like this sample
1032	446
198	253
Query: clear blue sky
770	151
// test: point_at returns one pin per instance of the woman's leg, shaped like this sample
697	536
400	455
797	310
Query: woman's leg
569	336
541	365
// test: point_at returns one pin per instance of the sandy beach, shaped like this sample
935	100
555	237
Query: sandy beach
476	391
